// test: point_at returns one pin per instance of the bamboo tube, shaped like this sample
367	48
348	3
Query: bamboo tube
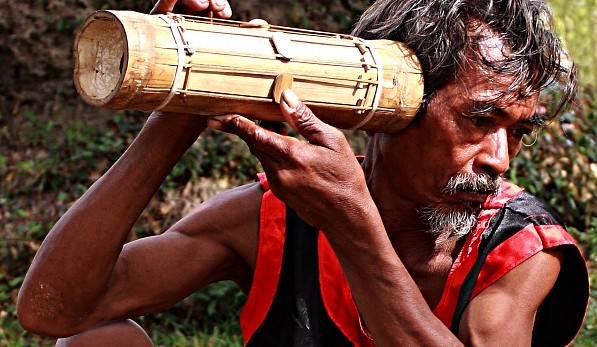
128	60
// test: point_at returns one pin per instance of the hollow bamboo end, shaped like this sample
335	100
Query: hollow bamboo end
99	58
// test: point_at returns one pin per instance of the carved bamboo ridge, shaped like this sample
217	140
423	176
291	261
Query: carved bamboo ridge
129	60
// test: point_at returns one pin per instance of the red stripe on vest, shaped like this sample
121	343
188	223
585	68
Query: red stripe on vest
337	297
469	253
335	291
518	248
268	264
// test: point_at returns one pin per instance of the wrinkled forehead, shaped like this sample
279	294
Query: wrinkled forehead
483	84
488	87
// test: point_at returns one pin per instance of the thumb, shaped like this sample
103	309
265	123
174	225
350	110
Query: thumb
302	119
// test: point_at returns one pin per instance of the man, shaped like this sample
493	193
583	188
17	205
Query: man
421	243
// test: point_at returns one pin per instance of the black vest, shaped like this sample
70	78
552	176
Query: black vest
297	316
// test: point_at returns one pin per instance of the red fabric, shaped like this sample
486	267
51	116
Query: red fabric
469	253
335	291
337	297
517	249
268	264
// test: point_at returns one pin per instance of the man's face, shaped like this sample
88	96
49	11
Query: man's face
469	133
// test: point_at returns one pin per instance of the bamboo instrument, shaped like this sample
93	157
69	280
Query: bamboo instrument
129	60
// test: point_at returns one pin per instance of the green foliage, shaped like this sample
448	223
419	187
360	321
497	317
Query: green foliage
215	155
206	318
577	25
331	16
64	164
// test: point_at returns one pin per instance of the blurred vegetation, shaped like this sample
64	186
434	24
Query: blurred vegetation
576	23
52	149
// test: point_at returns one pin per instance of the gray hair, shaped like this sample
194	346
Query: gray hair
439	32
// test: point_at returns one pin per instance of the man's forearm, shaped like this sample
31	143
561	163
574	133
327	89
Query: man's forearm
74	264
389	300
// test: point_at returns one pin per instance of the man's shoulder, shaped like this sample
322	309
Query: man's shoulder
523	207
513	226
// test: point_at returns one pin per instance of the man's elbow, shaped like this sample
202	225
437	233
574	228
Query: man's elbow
39	316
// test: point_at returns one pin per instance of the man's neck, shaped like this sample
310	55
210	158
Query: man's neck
427	257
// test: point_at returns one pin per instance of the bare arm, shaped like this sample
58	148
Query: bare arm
505	311
82	275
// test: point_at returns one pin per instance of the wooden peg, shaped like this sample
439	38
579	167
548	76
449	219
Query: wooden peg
282	82
283	45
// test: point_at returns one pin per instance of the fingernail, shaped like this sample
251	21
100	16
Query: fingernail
290	98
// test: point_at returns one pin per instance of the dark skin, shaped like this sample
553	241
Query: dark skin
84	275
219	8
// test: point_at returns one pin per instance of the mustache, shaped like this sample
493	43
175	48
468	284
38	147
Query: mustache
476	183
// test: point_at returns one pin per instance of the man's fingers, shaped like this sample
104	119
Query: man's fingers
302	119
257	138
277	127
195	5
220	8
163	6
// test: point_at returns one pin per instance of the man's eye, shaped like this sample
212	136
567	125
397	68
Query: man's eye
519	133
482	122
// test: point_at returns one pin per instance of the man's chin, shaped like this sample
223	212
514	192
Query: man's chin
455	221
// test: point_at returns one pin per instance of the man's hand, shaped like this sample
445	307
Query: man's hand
320	179
219	8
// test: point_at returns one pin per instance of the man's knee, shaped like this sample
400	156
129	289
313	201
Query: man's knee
124	333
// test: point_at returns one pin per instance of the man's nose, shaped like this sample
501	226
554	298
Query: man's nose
494	155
